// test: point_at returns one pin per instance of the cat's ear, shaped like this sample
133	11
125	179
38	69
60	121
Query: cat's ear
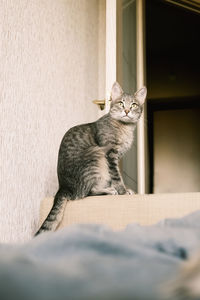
116	91
141	94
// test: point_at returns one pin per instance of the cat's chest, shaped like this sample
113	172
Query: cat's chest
125	138
115	134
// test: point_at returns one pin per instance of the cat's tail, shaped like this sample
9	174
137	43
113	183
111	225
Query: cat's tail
56	213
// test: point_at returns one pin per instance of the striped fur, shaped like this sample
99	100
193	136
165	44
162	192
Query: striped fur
89	154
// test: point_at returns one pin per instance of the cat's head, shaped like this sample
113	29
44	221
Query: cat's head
124	107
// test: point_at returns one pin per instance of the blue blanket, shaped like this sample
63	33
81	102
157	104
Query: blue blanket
93	262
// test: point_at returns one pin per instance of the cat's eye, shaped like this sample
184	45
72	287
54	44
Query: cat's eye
134	105
121	103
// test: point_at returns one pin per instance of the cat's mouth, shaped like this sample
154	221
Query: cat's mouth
126	116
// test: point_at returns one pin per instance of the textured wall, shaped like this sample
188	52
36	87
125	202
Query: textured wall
49	75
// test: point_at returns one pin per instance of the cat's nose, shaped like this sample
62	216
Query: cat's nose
127	111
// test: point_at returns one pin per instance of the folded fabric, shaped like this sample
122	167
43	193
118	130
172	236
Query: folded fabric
93	262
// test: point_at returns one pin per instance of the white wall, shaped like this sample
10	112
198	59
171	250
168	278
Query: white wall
49	75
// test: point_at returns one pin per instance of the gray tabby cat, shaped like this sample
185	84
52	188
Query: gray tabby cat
89	154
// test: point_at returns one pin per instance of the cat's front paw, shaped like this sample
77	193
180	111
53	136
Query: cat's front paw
112	191
130	192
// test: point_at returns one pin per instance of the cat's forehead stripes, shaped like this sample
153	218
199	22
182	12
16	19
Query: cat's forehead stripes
129	99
